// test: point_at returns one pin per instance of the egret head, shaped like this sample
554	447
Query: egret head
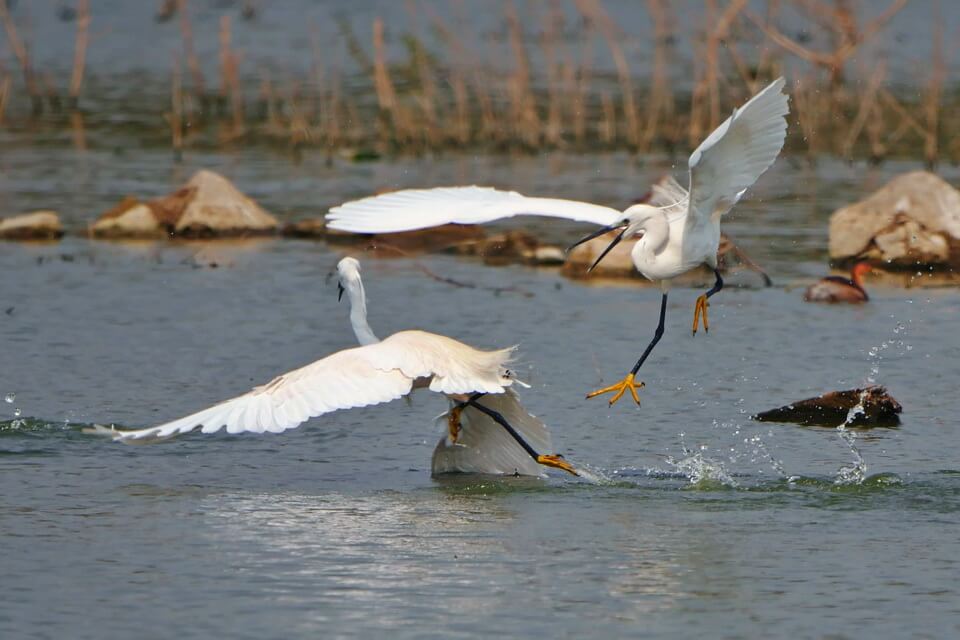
348	275
633	223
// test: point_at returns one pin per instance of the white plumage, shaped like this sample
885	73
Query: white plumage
725	164
377	372
678	230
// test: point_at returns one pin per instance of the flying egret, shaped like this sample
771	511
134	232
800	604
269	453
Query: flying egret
679	229
380	371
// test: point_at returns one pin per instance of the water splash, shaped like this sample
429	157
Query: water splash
856	472
700	469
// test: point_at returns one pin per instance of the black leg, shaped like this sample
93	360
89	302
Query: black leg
499	419
656	336
547	460
716	285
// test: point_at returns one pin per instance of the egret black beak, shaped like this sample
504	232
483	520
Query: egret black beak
620	225
340	292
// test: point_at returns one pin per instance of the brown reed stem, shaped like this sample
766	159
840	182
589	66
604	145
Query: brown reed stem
186	36
4	95
594	11
80	47
386	93
660	100
18	48
934	90
524	117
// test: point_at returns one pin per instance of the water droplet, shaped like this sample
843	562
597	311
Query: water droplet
9	398
17	412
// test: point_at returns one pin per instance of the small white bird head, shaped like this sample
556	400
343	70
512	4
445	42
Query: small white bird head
634	223
348	275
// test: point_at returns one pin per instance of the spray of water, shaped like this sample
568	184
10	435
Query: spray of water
856	471
699	468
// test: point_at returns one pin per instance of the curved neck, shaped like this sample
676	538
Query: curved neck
358	313
656	230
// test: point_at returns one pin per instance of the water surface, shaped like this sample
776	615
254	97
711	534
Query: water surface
707	523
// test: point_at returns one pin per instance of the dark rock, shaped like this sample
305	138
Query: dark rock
832	409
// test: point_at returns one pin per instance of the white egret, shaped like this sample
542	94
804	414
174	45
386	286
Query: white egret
378	371
679	229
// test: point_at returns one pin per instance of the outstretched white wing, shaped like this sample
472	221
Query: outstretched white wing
731	159
484	446
350	378
422	208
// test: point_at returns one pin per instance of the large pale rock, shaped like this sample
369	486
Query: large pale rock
38	225
207	206
913	220
216	207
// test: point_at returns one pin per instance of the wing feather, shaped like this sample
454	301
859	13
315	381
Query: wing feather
357	377
485	447
731	158
411	209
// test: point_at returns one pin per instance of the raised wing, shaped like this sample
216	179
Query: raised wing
422	208
731	159
357	377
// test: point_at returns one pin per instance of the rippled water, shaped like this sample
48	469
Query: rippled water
706	523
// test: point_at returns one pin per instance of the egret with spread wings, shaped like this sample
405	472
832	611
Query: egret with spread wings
678	229
498	435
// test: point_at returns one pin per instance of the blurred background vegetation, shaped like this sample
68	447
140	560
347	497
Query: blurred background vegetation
372	78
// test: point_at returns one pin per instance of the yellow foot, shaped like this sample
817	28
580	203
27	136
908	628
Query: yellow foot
558	462
620	388
453	423
698	309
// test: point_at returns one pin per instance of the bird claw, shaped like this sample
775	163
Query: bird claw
453	423
557	462
620	388
698	309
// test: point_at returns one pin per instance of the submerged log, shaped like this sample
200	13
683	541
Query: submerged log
832	409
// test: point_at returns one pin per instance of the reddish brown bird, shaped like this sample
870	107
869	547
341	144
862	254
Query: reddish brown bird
839	289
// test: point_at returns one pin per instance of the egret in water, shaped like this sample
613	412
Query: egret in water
678	229
489	431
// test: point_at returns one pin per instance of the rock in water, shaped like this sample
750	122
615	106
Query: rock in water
914	220
38	225
832	409
216	207
129	219
209	205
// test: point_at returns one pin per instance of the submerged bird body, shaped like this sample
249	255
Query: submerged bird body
379	371
840	289
679	228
